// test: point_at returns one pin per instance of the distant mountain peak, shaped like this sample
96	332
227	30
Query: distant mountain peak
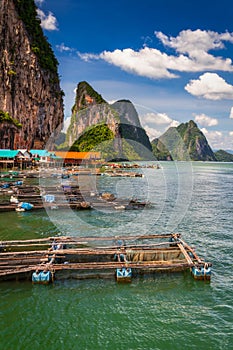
86	96
121	118
184	142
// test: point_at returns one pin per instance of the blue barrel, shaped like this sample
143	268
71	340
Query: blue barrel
45	277
36	277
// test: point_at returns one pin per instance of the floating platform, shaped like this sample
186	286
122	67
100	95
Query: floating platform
100	257
67	197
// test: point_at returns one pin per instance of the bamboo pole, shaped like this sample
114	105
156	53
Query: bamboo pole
187	257
74	239
115	265
199	260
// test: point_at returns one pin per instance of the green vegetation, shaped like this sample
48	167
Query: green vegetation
186	142
100	138
39	44
83	85
83	90
92	137
5	117
170	146
223	156
160	151
128	152
110	151
191	136
11	72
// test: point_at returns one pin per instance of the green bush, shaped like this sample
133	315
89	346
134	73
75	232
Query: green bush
5	117
92	137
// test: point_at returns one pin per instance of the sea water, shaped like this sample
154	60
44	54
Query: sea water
164	311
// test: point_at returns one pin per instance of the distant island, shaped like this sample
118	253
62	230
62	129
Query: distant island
223	156
184	142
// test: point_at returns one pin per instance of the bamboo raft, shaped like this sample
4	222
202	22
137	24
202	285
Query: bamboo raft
99	257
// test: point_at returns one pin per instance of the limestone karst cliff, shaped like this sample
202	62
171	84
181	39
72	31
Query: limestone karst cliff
185	142
29	83
89	110
118	122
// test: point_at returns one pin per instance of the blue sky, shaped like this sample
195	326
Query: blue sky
172	59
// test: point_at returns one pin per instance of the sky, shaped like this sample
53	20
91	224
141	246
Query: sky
171	58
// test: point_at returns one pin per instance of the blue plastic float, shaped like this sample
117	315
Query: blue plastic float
41	277
124	274
201	273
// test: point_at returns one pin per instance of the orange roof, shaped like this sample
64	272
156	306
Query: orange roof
77	155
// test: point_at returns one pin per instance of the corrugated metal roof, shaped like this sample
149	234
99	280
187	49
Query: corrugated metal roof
7	153
77	155
40	152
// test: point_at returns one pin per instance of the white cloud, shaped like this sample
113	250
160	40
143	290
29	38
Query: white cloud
195	42
152	133
204	120
210	86
215	138
88	56
48	22
145	62
156	124
231	113
157	118
174	124
231	133
212	133
223	142
191	49
62	48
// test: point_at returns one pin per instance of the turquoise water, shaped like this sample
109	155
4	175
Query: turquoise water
155	312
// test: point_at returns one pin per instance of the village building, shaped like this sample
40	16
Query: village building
77	158
12	158
23	158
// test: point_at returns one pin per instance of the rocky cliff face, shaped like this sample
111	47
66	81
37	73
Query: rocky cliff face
130	127
186	142
89	110
121	118
29	83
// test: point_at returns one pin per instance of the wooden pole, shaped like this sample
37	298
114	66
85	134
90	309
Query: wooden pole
187	257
